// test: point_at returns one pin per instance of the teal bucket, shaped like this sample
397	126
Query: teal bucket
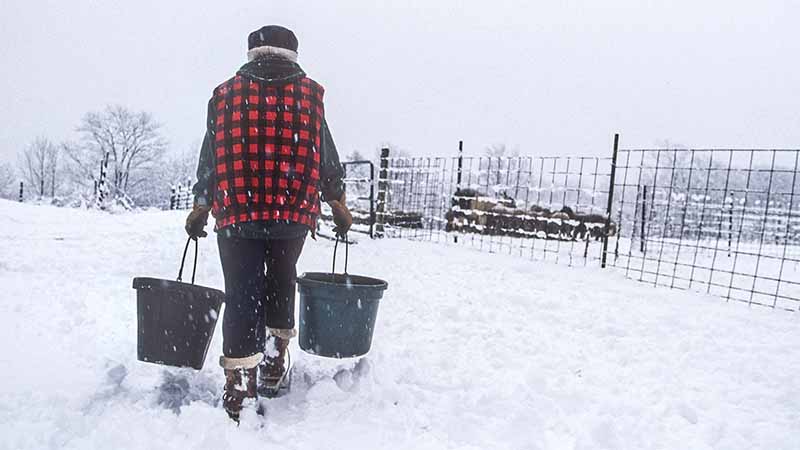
338	312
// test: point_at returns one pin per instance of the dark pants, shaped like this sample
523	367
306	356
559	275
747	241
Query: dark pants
256	298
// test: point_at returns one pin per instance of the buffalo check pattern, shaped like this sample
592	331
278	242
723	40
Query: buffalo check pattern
266	140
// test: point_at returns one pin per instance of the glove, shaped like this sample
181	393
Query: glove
341	217
196	221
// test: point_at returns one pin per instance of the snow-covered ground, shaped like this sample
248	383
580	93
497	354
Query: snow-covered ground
471	351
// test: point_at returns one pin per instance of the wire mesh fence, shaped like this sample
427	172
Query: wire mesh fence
726	222
543	208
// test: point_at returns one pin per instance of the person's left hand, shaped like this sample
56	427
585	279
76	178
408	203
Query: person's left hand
196	221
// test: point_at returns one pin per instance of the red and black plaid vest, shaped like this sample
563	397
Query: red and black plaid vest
267	151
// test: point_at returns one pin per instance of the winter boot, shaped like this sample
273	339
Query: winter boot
240	382
273	372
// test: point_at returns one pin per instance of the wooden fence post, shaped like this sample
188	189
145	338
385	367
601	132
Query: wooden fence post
101	185
383	188
189	196
21	191
173	198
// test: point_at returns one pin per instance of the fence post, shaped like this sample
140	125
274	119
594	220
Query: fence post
458	177
460	163
189	196
101	185
730	224
610	201
371	200
172	198
99	198
644	219
21	191
383	187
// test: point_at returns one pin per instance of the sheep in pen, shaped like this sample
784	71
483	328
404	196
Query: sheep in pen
473	213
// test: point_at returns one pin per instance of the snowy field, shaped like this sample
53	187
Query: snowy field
471	351
752	273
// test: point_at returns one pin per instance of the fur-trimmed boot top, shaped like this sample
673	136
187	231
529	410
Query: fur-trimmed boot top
273	369
241	375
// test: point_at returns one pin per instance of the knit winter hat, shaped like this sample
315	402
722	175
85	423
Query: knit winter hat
272	40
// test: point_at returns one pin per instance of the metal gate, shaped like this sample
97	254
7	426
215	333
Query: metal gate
359	180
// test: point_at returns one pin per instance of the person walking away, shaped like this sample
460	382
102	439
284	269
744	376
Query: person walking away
266	158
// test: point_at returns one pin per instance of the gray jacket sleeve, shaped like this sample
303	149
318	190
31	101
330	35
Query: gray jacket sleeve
331	171
203	190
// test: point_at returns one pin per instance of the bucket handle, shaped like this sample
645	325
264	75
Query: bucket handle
346	253
183	260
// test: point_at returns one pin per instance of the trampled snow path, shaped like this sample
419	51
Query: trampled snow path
471	351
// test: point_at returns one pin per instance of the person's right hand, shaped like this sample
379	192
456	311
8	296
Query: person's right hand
341	216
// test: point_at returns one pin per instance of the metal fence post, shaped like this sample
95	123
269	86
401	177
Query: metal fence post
610	201
642	236
730	225
383	188
458	176
460	163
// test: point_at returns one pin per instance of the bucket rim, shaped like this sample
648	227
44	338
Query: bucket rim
323	279
161	283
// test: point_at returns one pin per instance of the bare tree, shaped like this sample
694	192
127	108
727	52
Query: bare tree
7	181
183	165
496	151
355	155
55	150
178	170
39	164
499	162
133	142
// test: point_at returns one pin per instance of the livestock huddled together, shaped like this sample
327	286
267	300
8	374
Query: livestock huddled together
473	213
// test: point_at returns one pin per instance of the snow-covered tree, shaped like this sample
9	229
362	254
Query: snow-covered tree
7	181
39	166
497	151
178	169
355	155
499	163
183	164
135	147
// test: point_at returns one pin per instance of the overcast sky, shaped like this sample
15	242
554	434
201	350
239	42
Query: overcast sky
541	77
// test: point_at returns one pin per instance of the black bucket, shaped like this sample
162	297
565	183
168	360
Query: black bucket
338	312
176	320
